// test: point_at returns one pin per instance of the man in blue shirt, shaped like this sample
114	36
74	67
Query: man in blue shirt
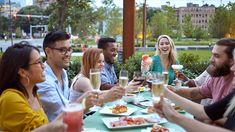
54	92
108	75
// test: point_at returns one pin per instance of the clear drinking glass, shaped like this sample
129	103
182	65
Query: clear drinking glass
95	79
73	116
177	68
157	87
138	77
95	82
123	78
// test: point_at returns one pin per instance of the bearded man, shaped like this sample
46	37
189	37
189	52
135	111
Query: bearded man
220	83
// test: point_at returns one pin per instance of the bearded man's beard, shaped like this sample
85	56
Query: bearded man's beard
218	71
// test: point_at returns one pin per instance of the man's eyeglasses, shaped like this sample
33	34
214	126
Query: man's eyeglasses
39	61
63	51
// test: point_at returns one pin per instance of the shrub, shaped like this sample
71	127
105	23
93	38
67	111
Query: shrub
192	66
74	68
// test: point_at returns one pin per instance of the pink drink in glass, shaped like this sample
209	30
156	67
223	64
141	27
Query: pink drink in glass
73	116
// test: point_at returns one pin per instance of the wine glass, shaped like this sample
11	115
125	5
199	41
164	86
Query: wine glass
95	79
166	77
95	82
123	82
157	87
123	78
138	77
177	68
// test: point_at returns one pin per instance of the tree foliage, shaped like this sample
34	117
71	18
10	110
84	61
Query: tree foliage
188	26
219	24
163	22
114	23
4	22
25	22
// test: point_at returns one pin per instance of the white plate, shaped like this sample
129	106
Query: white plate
155	117
145	111
141	89
148	129
108	111
147	103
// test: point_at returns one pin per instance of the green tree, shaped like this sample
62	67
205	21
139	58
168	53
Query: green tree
163	22
199	33
231	9
4	22
188	26
114	23
25	22
219	23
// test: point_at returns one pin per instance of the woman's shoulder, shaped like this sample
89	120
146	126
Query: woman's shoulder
156	58
80	81
12	96
12	93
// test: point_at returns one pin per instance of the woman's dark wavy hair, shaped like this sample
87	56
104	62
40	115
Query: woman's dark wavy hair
15	57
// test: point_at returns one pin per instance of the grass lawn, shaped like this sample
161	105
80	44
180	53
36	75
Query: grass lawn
203	54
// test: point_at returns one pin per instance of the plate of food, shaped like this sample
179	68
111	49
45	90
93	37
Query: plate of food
120	110
132	121
158	128
140	89
148	110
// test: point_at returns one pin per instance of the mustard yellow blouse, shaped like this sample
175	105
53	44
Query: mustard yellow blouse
16	115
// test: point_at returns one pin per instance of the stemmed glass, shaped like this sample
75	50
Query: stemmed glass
123	82
95	82
177	68
123	78
138	77
157	87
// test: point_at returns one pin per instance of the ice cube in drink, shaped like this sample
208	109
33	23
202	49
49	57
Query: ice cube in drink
73	116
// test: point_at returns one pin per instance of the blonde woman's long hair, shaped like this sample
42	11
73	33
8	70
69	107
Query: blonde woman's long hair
231	106
89	60
173	54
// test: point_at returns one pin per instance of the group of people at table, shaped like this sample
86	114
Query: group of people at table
32	92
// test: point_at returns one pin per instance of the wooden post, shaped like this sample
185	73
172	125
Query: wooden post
128	28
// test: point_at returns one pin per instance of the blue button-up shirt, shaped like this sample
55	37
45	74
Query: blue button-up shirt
52	95
108	75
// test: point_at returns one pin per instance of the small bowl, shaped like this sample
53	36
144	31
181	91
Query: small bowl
129	98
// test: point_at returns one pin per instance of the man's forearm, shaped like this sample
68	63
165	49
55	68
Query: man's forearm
192	125
189	93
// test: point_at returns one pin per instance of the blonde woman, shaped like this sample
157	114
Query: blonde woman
164	58
92	58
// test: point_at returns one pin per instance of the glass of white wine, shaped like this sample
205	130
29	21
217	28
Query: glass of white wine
123	78
95	79
95	82
166	77
157	87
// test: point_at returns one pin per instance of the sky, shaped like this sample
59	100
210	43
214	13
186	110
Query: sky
176	3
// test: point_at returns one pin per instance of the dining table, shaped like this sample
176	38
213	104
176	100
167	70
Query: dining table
95	121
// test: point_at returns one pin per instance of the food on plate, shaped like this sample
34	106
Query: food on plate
177	107
127	121
150	109
119	109
159	128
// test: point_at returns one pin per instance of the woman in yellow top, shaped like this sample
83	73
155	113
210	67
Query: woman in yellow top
21	67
